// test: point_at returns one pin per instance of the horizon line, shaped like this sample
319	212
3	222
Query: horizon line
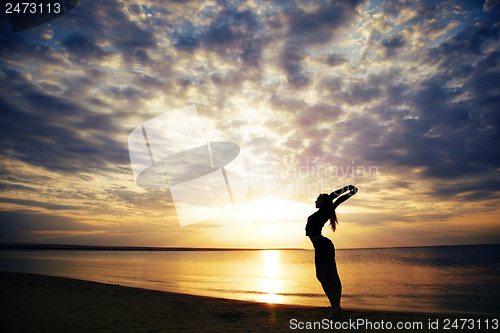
39	246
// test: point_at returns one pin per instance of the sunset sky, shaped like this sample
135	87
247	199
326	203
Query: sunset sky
400	98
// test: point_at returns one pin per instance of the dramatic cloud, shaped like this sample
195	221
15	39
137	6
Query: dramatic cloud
398	97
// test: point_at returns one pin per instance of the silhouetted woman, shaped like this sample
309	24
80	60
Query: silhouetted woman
326	267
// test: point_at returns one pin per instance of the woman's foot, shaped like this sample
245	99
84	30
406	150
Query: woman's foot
334	311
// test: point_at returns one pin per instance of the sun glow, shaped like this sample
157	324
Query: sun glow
271	284
271	263
270	209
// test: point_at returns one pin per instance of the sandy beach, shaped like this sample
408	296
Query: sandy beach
35	303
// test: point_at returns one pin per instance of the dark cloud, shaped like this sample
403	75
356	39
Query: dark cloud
186	42
442	128
320	25
135	9
433	102
335	59
19	49
83	46
159	200
424	9
128	93
465	117
15	187
445	133
475	190
442	143
34	203
380	47
396	94
392	44
53	132
313	151
465	46
105	23
310	28
361	92
291	61
231	26
228	79
131	38
151	82
392	8
319	113
20	226
490	5
287	104
233	35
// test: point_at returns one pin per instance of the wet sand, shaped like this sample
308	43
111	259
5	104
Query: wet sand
36	303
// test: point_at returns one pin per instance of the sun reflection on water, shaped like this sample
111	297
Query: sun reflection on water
270	284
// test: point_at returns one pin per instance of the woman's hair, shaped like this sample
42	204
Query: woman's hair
330	211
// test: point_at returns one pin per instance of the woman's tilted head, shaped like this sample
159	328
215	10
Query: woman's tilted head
322	200
324	203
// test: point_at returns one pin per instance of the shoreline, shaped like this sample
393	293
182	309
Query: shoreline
40	303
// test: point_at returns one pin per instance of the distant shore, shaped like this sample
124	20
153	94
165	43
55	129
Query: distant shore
37	303
21	246
124	248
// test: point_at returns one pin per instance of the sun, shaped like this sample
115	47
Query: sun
267	221
269	209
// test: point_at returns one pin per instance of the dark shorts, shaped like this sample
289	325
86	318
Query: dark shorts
324	250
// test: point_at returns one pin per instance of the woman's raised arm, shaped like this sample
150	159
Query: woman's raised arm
352	191
342	190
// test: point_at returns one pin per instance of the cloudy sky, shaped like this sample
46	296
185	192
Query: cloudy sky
395	97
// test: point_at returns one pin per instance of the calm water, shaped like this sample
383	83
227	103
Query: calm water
430	279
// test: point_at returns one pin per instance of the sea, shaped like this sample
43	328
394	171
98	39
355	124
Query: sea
446	279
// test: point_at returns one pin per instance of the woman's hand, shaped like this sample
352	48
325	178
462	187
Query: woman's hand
353	190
